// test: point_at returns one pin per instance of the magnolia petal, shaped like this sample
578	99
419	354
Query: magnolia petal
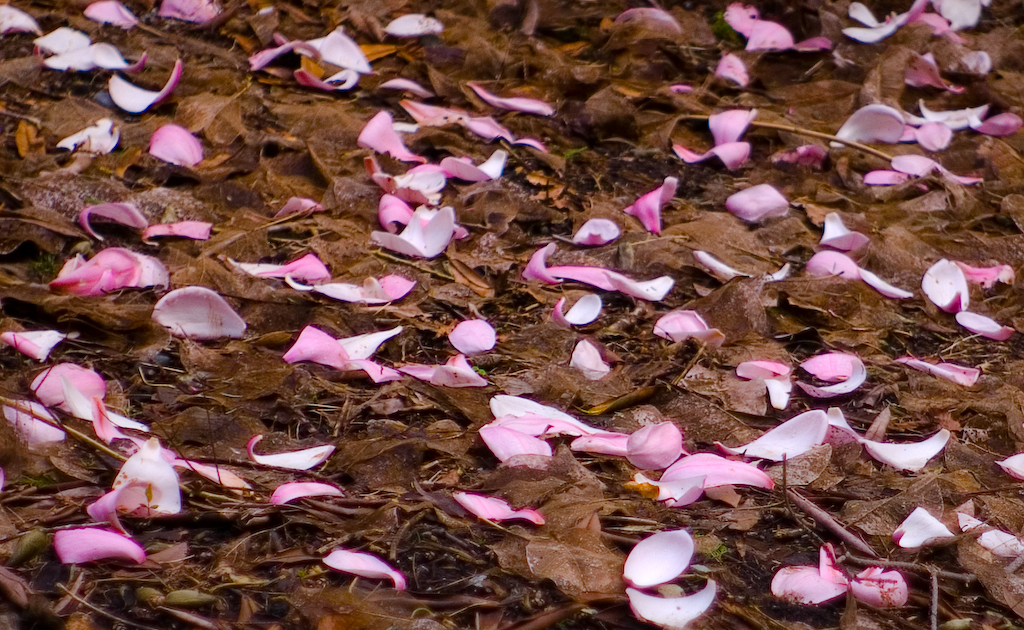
856	378
681	88
674	493
426	236
831	366
25	416
872	124
519	104
364	565
344	80
364	346
878	587
413	25
762	369
406	85
304	459
717	268
89	544
317	346
47	385
264	58
885	178
934	136
495	509
924	72
487	128
584	311
1000	543
981	325
111	12
757	203
136	100
827	263
537	268
176	145
732	67
884	287
837	236
960	375
36	344
766	35
1005	124
465	170
341	50
596	232
300	206
911	456
506	443
123	213
779	390
379	135
196	11
214	473
961	13
648	207
198	313
195	230
62	40
99	139
295	490
805	585
587	359
987	276
790	439
679	325
655	446
13	20
741	18
803	155
945	285
607	443
652	290
717	471
373	290
109	270
308	268
151	483
672	613
392	212
544	424
1013	465
512	407
659	558
473	337
456	372
920	529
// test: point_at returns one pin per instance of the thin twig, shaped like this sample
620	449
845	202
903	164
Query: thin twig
935	602
907	566
808	132
402	261
828	522
108	615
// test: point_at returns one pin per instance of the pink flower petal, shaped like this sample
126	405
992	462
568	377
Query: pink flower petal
762	369
379	135
526	105
473	337
779	390
677	492
961	13
123	213
413	25
741	18
364	565
803	155
465	170
506	443
364	346
487	128
13	20
1000	543
300	206
671	612
832	367
392	212
757	203
22	414
717	268
406	85
372	291
495	509
606	443
934	136
47	385
826	263
1005	124
176	145
537	269
732	67
836	235
456	372
885	178
960	375
99	139
872	124
813	44
878	587
945	285
198	313
717	471
920	529
295	490
984	326
596	232
987	276
308	268
729	126
584	311
650	16
317	346
304	459
811	585
62	40
36	344
344	80
924	72
432	115
884	287
109	270
908	456
153	483
214	473
197	11
536	419
655	446
790	439
195	230
264	58
136	100
89	544
679	325
648	207
659	558
341	50
426	236
1013	465
765	35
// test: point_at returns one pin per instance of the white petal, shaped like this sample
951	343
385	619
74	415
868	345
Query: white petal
920	529
884	287
946	286
790	439
909	456
659	558
672	613
295	460
718	269
587	359
363	346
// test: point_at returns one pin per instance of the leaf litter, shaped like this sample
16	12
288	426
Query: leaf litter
350	200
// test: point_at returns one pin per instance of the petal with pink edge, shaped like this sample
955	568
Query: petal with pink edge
406	85
732	67
762	369
214	473
111	12
671	612
341	50
584	311
607	443
837	236
878	587
198	313
1000	543
99	139
679	325
89	544
831	367
47	385
308	268
506	443
296	490
456	372
987	277
123	213
766	35
934	136
317	346
136	100
495	509
427	235
810	585
1005	124
945	285
379	135
413	25
587	359
519	104
757	203
27	417
195	230
473	337
910	456
674	493
655	446
717	471
872	124
648	207
196	11
1013	465
176	145
920	529
364	565
984	326
966	376
304	459
464	169
790	439
596	232
150	483
659	558
828	263
884	287
36	344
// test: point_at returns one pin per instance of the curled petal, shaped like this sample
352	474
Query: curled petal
473	337
506	443
13	20
364	565
317	346
36	344
834	369
196	11
1013	465
308	268
150	484
960	375
344	80
176	145
99	139
659	558
587	359
987	277
984	326
596	232
655	446
584	311
762	369
924	72
671	612
136	100
878	587
674	493
47	385
717	268
214	473
341	50
495	509
364	346
109	270
1000	543
89	544
946	286
648	207
456	372
837	236
295	460
1005	124
406	85
287	492
741	18
766	35
717	471
527	105
804	585
873	123
884	287
826	263
379	135
111	12
790	439
123	213
679	325
732	67
25	416
465	170
413	25
757	203
537	268
606	443
920	529
198	313
62	40
426	236
910	456
195	230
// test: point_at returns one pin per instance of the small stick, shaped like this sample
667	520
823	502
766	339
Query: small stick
935	602
907	566
825	520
